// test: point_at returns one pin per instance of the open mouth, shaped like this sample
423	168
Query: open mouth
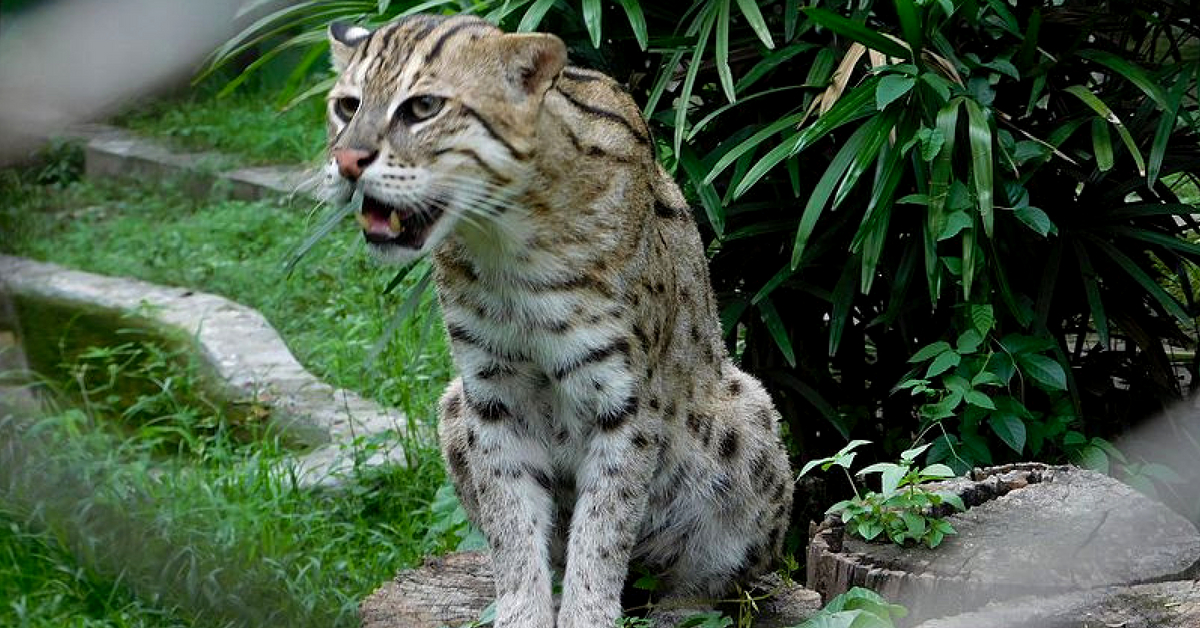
408	227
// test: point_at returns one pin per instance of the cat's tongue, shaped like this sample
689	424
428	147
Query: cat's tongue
381	220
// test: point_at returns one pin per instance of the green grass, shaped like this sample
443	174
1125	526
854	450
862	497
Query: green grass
99	528
246	124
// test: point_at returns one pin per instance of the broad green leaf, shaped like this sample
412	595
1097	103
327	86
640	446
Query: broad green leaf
637	21
1035	219
891	87
1091	100
593	10
777	329
1102	145
1046	371
722	51
929	351
911	454
533	15
955	222
968	341
890	479
943	363
1010	429
755	19
980	399
982	318
857	32
981	162
939	471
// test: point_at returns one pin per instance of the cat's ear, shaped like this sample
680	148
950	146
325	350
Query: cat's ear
533	60
343	39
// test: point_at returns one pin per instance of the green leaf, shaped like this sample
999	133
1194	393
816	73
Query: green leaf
1091	100
852	106
824	189
981	161
637	21
968	341
842	300
955	222
533	15
1010	429
1044	370
722	51
1035	219
751	143
1168	302
683	102
713	208
980	399
1102	145
943	363
910	24
857	32
755	19
982	318
930	350
593	10
777	329
1131	72
770	62
1166	125
937	471
891	87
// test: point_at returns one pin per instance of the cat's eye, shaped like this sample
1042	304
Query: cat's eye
420	108
346	107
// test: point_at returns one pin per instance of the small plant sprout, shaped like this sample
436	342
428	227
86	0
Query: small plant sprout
902	510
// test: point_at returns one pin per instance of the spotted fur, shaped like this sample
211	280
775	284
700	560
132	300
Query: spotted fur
597	418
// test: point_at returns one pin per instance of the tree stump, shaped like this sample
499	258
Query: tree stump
1158	605
1028	529
453	590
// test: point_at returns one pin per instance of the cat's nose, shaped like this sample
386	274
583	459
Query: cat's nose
352	161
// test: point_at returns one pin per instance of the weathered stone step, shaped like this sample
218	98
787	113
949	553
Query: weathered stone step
112	152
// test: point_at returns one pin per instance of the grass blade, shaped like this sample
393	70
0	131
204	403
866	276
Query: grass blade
722	51
413	299
637	21
327	224
1166	125
857	32
754	17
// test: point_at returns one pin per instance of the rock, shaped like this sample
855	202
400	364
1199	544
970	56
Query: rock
1029	529
1159	605
454	590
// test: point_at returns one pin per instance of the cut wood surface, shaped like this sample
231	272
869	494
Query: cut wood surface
454	590
1028	529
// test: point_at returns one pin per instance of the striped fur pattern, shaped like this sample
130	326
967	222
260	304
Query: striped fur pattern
597	418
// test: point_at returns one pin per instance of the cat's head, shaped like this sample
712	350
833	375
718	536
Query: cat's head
433	119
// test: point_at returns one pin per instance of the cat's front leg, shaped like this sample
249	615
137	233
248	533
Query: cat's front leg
509	473
611	504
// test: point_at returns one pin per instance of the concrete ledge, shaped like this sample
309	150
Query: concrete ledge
247	356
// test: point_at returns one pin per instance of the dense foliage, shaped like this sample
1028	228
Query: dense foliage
952	220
